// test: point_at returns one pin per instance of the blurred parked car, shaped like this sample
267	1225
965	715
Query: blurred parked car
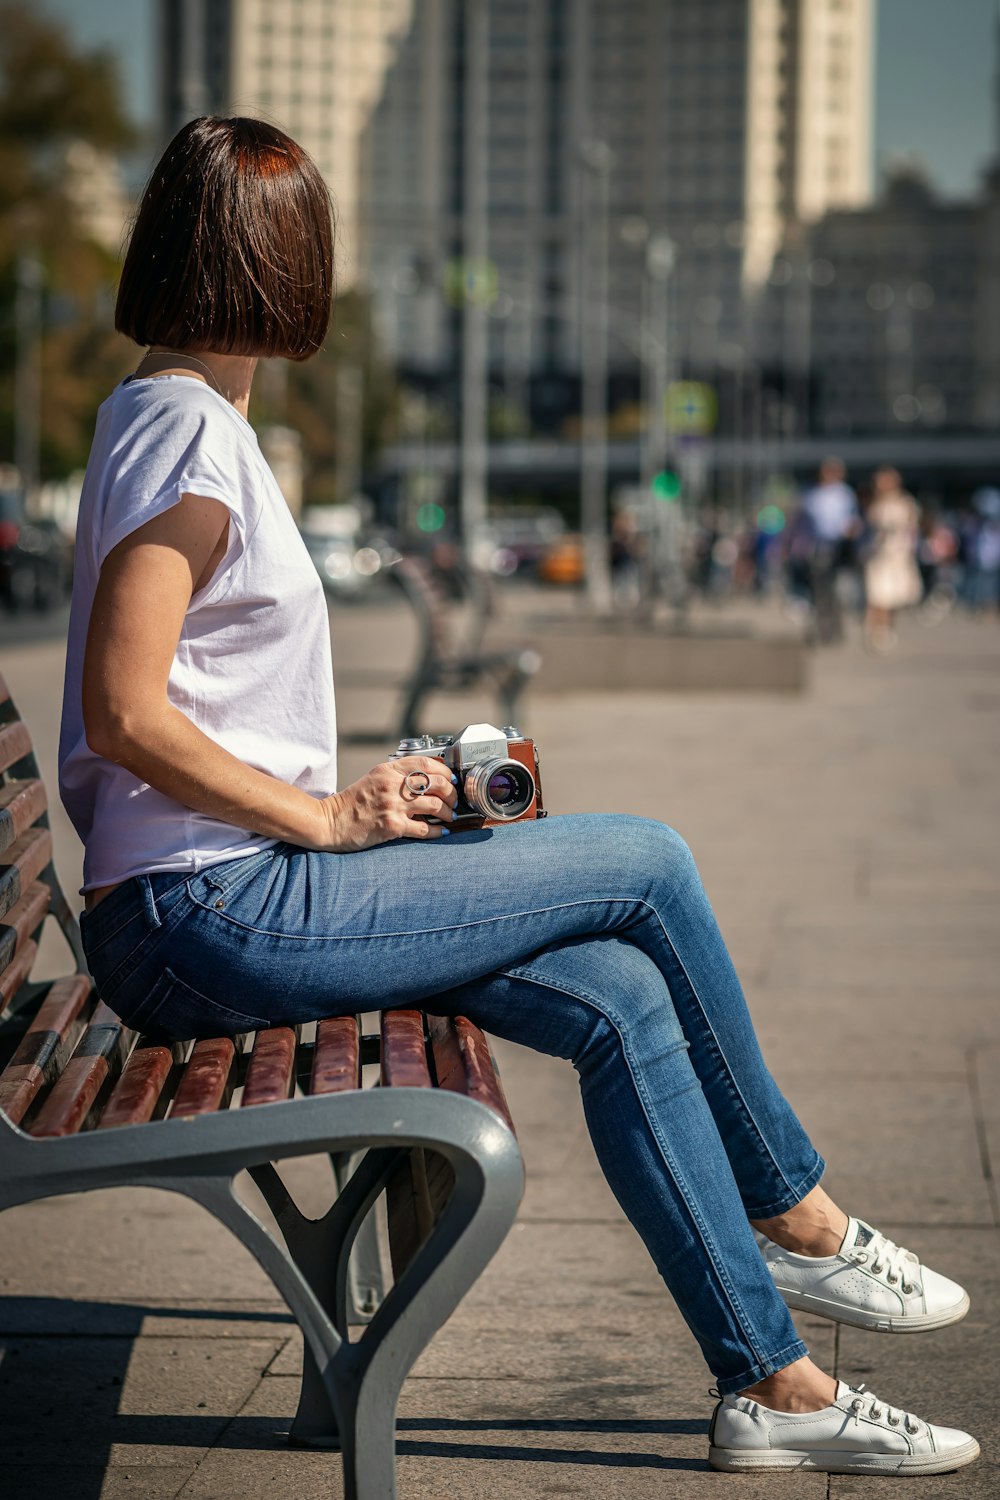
349	556
35	557
563	561
515	537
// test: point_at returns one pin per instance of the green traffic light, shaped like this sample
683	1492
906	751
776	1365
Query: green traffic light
667	485
430	517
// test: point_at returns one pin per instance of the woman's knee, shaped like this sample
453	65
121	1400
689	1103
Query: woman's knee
656	851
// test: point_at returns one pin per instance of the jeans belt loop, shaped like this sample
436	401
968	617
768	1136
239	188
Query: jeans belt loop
149	901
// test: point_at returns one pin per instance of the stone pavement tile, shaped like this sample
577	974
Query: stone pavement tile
161	1244
855	964
47	1316
93	1482
890	1034
984	1069
134	1484
946	918
257	1464
597	1438
901	1149
120	1401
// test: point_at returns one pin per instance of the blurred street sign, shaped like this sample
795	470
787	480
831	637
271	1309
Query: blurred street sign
690	408
471	280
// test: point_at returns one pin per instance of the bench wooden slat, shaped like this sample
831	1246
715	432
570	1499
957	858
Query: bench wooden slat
15	744
271	1073
16	973
77	1093
23	921
46	1044
139	1096
463	1062
209	1079
404	1051
336	1062
23	862
21	802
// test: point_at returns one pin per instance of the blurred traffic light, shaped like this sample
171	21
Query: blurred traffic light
667	485
430	517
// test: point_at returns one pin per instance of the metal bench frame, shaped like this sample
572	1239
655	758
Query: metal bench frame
441	666
350	1388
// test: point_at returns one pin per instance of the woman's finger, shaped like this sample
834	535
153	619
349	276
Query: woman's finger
436	786
417	828
430	807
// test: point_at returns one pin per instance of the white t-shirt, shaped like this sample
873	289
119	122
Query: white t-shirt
252	668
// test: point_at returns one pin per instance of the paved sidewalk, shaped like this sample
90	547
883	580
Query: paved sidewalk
849	839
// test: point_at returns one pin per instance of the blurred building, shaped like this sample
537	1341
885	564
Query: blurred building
715	124
313	67
97	194
903	312
887	319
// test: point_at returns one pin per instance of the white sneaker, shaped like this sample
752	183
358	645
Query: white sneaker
858	1434
870	1282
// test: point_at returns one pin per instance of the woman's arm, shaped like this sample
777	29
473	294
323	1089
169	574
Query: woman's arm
142	596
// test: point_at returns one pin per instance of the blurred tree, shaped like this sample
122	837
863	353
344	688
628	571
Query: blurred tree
307	398
51	96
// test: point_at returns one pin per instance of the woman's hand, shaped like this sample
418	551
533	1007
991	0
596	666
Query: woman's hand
381	806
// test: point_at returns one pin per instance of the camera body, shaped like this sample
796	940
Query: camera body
497	770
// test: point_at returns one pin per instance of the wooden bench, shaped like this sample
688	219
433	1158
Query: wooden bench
86	1103
443	664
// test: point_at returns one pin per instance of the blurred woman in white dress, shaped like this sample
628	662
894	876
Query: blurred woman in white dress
892	578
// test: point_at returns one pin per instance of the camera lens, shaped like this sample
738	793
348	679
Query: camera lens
500	789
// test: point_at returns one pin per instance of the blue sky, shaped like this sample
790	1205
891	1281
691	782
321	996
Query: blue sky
935	75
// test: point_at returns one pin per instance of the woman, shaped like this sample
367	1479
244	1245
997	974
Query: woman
229	886
892	578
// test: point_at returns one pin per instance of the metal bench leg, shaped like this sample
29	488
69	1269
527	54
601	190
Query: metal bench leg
416	692
366	1282
512	684
471	1229
322	1252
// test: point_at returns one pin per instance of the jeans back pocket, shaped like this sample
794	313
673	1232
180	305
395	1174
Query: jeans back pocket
174	1009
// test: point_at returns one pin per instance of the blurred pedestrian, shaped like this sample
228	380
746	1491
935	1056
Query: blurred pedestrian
831	510
984	559
892	578
626	550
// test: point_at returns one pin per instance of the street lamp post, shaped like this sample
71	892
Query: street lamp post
597	160
475	335
661	254
28	371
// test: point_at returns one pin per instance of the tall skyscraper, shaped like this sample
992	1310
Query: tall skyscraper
714	123
313	67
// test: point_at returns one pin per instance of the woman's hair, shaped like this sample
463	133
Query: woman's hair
232	246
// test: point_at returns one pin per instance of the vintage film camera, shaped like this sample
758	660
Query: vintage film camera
497	770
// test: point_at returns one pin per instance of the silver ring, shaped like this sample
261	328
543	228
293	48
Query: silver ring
410	781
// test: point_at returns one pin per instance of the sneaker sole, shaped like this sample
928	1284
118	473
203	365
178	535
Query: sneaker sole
833	1461
874	1322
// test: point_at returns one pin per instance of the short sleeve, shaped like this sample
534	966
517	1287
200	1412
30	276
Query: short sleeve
177	442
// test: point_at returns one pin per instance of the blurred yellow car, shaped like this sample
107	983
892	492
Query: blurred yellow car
562	561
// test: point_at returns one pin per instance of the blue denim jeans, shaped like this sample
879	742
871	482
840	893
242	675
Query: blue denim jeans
584	937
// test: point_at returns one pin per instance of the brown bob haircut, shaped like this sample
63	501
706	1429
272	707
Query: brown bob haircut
232	247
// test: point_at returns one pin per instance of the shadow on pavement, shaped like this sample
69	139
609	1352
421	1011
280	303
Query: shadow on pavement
64	1364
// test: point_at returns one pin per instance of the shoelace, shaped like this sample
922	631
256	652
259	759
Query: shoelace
886	1256
867	1404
